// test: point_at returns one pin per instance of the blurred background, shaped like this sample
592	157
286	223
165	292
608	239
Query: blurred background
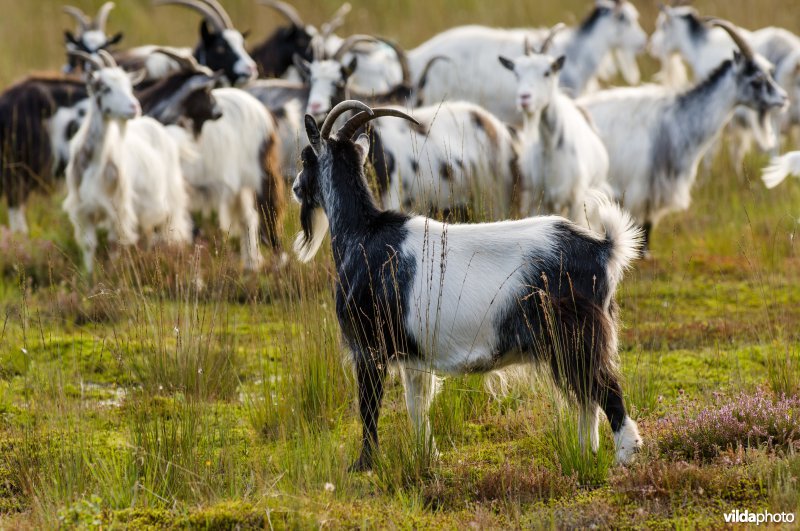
32	30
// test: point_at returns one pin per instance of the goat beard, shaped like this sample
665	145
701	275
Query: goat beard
315	225
763	130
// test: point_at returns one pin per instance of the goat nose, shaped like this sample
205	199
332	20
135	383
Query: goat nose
315	107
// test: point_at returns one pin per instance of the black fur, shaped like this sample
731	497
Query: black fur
182	95
26	154
275	55
214	52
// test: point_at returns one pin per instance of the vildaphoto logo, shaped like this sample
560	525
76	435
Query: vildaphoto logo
746	517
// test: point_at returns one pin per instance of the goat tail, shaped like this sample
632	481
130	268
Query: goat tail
780	168
621	233
272	196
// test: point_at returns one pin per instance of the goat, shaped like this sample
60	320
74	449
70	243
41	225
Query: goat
275	55
681	31
655	137
124	170
221	46
91	35
562	156
473	51
26	155
435	298
237	172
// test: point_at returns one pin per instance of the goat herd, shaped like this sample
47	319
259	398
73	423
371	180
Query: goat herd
512	119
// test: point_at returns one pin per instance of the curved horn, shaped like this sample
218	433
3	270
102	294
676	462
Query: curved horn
102	16
97	63
223	15
343	107
317	46
204	9
527	48
79	16
336	21
402	58
548	41
737	38
186	62
423	78
107	59
358	121
349	42
286	10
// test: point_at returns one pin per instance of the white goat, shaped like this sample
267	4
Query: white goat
236	172
124	171
471	73
655	137
446	299
562	156
457	153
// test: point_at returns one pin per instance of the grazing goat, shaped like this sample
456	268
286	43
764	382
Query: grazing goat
124	170
473	52
656	137
26	155
91	35
562	156
435	298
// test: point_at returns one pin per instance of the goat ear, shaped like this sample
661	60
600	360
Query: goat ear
138	76
558	64
347	70
312	131
362	147
115	39
205	31
508	63
303	66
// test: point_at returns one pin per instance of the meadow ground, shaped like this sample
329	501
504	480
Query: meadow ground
147	399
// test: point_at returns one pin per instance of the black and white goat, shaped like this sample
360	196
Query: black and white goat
26	154
434	298
471	74
124	172
90	36
561	157
221	47
656	137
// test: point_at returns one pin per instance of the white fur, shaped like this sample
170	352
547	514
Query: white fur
132	184
780	168
473	74
306	250
452	137
16	220
561	156
228	174
627	441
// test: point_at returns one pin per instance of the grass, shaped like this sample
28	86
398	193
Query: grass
177	391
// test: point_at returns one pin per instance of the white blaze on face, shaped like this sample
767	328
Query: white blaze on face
325	76
93	40
116	93
244	67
